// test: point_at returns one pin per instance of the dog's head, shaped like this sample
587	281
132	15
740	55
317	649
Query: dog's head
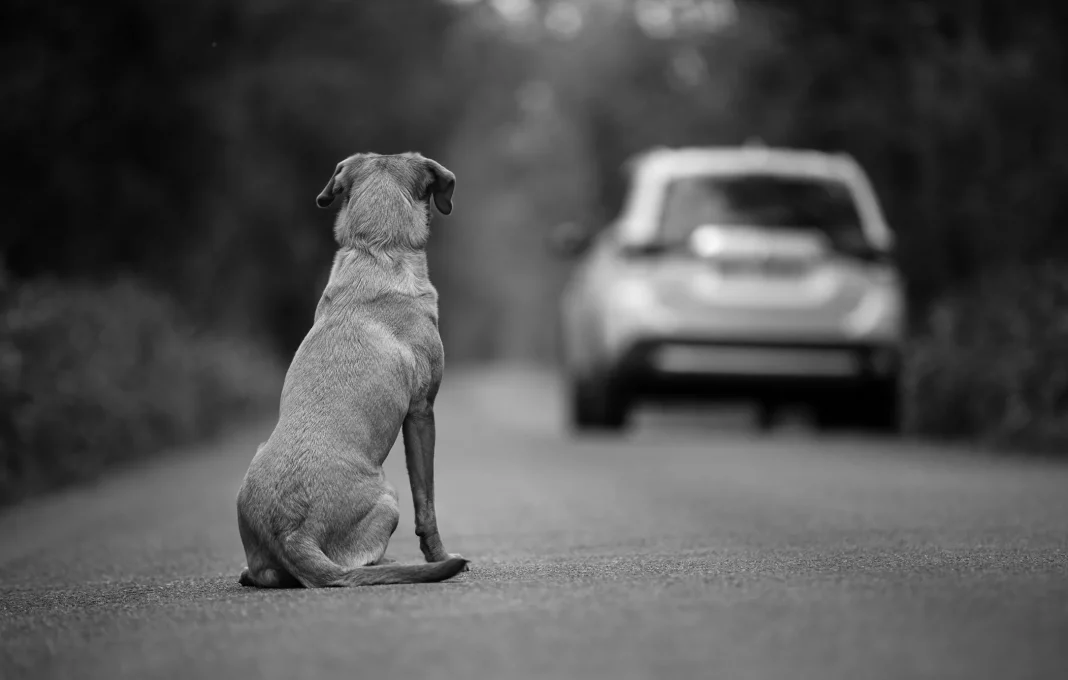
387	198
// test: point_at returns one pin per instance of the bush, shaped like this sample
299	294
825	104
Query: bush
94	375
992	366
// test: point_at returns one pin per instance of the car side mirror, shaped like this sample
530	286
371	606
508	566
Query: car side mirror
570	239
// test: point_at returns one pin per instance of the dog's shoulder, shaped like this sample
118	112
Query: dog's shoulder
382	307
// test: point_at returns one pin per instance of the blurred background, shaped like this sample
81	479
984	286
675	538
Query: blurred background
161	254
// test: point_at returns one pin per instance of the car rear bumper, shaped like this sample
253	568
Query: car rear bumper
725	370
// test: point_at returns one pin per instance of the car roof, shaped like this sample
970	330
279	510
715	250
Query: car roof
684	161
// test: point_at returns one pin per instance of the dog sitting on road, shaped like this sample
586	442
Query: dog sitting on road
315	508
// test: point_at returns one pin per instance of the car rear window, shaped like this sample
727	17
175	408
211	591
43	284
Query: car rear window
762	200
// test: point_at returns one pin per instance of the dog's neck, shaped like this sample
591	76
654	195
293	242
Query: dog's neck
385	255
368	272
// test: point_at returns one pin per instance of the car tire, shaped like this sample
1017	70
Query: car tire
598	403
872	408
880	408
830	414
767	415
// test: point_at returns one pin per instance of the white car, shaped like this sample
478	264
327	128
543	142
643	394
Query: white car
736	273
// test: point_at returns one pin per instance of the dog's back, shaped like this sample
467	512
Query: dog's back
372	349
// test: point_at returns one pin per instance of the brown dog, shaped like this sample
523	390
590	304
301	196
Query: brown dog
315	508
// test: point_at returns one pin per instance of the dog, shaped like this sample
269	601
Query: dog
314	508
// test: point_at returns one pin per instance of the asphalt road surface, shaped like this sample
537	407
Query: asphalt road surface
691	548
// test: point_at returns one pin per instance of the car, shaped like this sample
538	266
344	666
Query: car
749	272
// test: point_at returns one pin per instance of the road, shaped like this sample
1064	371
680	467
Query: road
691	548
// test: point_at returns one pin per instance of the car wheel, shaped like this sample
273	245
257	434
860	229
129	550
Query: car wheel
831	414
873	408
598	403
767	415
880	408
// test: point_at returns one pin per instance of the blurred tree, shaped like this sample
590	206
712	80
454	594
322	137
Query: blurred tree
184	142
104	148
957	109
309	84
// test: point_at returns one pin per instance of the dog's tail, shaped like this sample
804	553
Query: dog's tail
384	574
309	565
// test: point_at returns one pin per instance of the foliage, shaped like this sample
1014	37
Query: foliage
83	387
992	366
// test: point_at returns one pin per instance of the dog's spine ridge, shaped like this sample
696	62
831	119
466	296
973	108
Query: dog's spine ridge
385	574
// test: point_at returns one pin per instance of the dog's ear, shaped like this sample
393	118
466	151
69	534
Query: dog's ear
332	189
442	184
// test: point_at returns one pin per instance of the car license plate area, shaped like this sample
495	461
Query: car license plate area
756	361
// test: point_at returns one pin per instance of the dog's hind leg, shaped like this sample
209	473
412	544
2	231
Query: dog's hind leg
370	536
388	517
